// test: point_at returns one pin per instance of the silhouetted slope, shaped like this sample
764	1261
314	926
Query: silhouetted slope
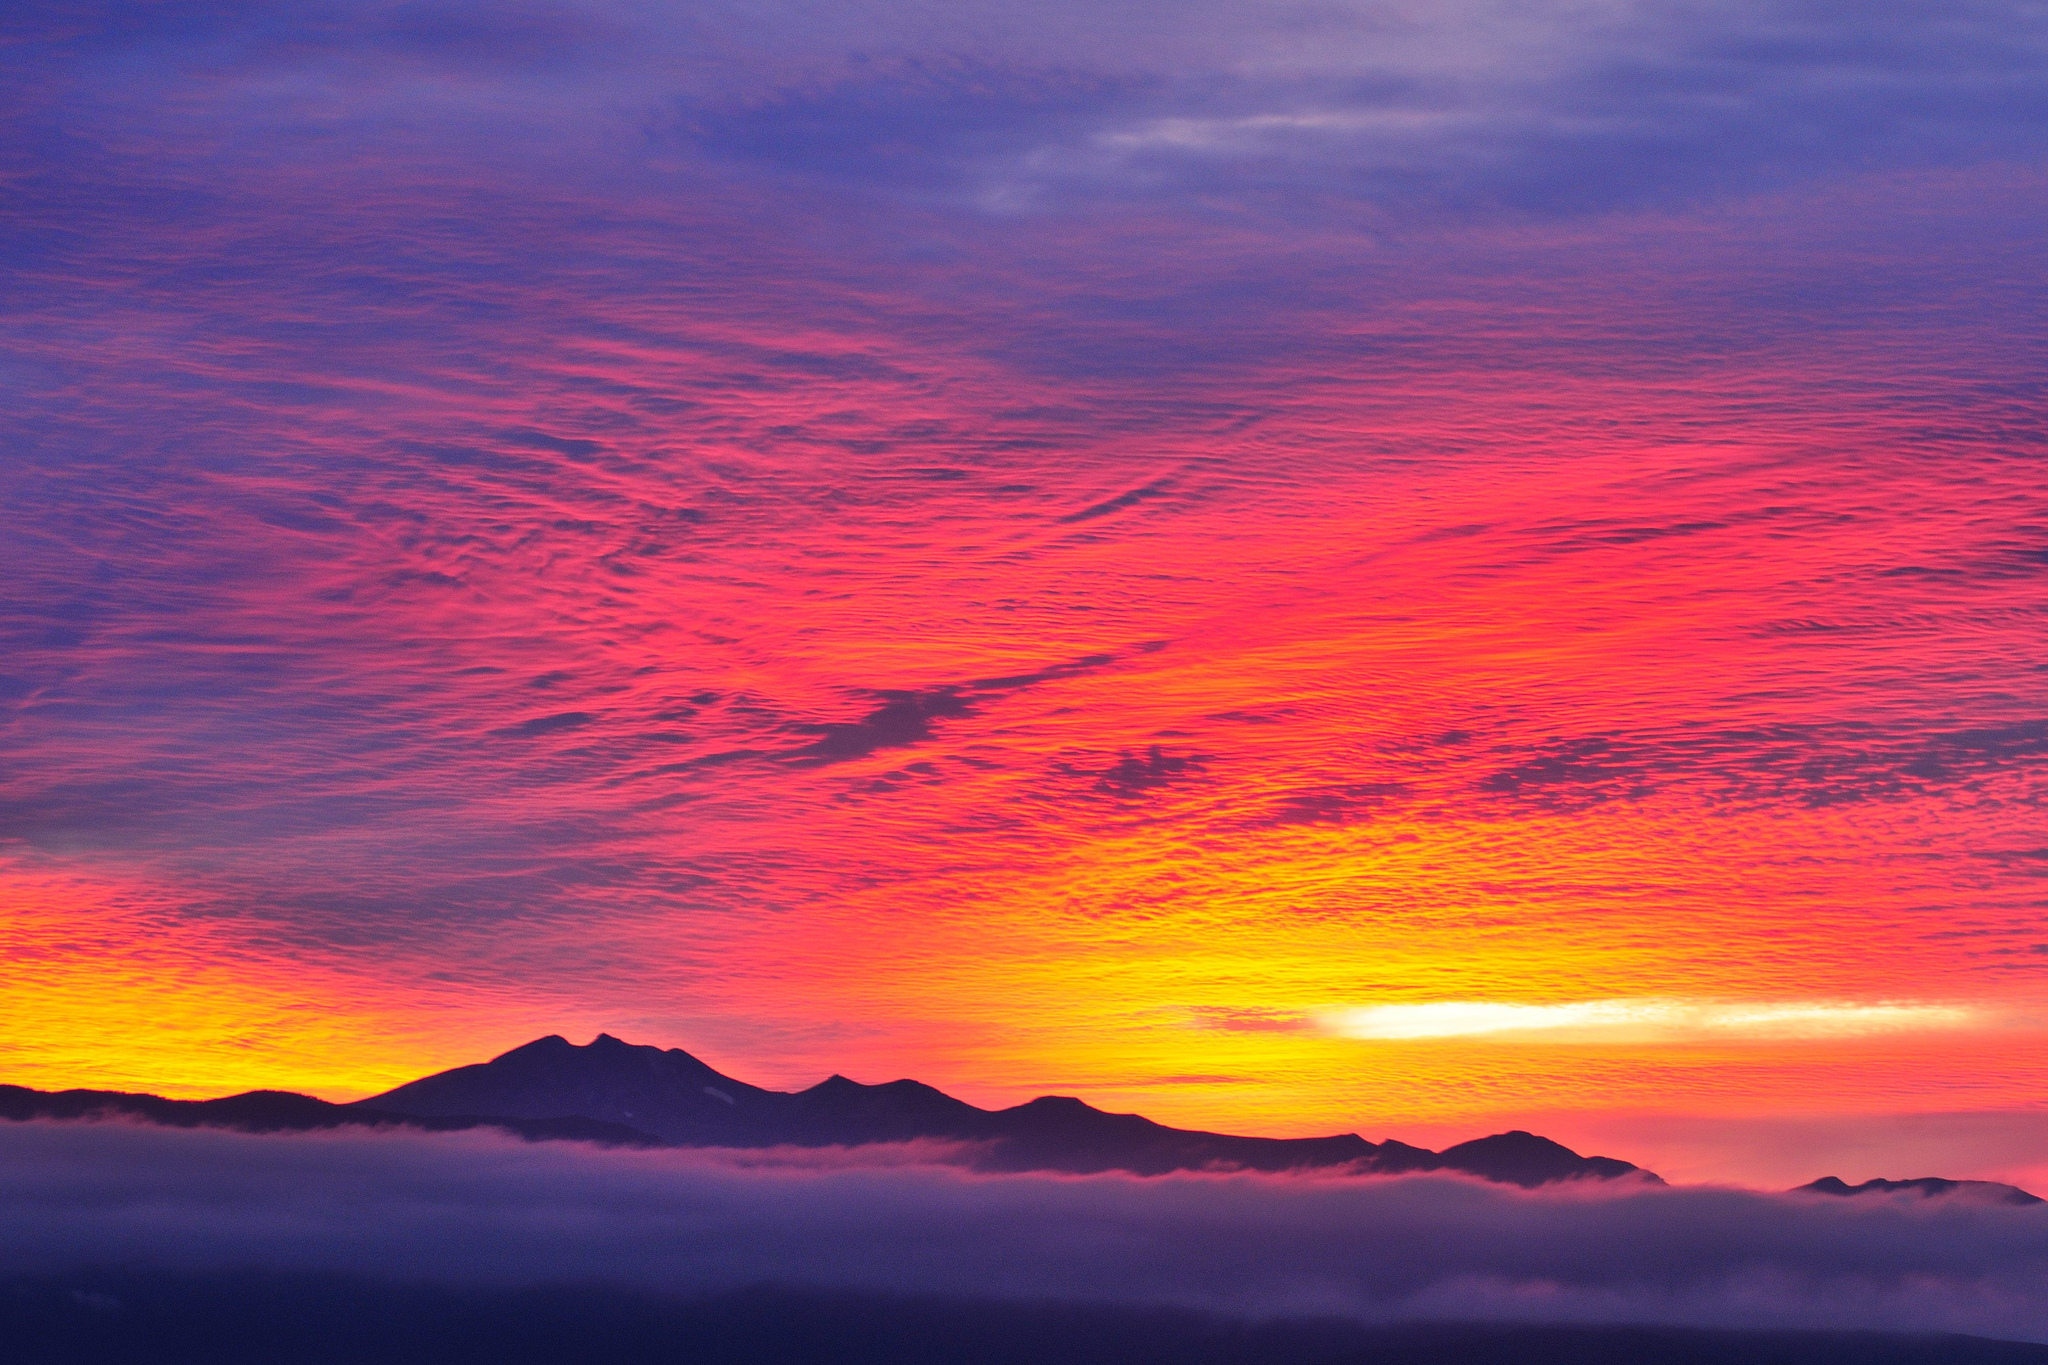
614	1092
1926	1186
668	1093
679	1098
1519	1158
281	1111
837	1110
1064	1134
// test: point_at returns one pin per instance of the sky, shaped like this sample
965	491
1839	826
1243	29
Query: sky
1399	568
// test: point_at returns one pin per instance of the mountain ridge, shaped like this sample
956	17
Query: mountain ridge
620	1094
613	1093
287	1111
681	1099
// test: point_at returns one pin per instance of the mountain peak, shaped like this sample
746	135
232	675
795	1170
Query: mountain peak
1515	1140
668	1093
539	1047
555	1045
1519	1157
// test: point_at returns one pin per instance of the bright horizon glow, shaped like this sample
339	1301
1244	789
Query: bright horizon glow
1644	1020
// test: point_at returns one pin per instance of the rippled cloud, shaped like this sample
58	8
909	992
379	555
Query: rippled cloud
968	542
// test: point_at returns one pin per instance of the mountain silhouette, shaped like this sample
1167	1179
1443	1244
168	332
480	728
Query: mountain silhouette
1926	1186
669	1094
681	1100
282	1111
1520	1158
621	1094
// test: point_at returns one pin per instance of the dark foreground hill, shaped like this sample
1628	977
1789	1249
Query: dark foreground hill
99	1318
681	1100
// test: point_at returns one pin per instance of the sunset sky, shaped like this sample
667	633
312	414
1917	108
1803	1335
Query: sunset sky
1294	568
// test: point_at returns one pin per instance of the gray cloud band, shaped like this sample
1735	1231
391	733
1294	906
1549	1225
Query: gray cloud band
1469	107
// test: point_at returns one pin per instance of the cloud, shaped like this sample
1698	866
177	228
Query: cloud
1815	765
1136	775
474	1209
1472	108
1646	1020
904	718
1468	108
1778	1151
546	725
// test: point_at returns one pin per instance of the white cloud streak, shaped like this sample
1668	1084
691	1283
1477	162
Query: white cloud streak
1645	1020
1472	107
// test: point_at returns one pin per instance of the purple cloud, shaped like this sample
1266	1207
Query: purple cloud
475	1209
1471	108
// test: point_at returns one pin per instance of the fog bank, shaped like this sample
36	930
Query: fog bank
479	1208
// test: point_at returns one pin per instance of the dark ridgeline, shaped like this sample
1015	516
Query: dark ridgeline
621	1094
282	1111
679	1099
614	1092
1926	1186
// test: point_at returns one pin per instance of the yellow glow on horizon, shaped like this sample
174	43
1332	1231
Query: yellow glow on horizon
1644	1020
105	990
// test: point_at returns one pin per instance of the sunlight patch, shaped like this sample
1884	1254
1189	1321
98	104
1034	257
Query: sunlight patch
1649	1020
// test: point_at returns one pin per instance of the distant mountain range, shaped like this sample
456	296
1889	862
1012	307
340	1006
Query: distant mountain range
677	1099
614	1092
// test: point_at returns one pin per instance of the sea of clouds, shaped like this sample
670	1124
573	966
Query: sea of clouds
484	1209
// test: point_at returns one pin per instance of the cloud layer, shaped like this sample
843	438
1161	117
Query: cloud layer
968	540
1472	108
475	1209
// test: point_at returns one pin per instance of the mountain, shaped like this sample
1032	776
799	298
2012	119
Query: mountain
669	1094
617	1093
1520	1158
281	1111
1927	1187
681	1100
